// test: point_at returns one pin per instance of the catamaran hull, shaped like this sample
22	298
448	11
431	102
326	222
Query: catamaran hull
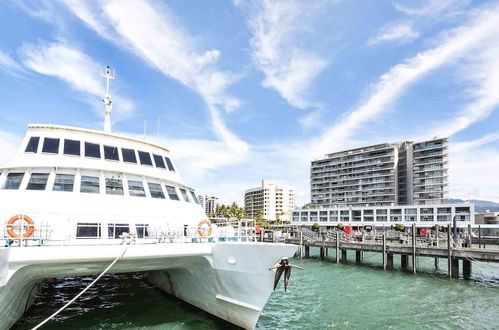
228	280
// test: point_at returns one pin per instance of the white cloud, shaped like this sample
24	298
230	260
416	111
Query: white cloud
9	143
277	27
74	67
430	7
8	65
152	33
401	32
473	167
399	78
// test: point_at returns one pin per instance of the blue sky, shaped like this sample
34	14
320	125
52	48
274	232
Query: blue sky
246	90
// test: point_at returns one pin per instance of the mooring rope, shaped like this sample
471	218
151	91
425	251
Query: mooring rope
83	291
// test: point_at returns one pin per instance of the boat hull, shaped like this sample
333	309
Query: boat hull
228	280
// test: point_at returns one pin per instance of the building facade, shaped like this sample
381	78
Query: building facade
421	215
209	203
274	201
382	175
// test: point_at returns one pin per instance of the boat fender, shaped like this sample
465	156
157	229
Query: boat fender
201	230
10	226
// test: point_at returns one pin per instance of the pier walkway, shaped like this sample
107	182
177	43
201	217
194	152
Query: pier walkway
392	243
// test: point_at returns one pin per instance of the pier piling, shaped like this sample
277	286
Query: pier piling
455	267
414	248
389	261
384	250
466	269
344	255
358	256
307	251
449	252
404	260
337	248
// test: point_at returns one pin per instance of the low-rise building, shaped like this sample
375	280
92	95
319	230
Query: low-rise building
421	215
488	218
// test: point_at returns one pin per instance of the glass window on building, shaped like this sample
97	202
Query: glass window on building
158	160
13	181
92	150
111	153
156	191
89	184
184	194
114	186
128	155
136	188
145	158
172	193
38	181
50	146
64	182
411	211
115	230
71	147
88	230
32	145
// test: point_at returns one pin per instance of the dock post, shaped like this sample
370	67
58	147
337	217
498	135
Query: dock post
322	253
362	254
301	245
337	247
344	255
469	237
384	250
307	251
358	256
467	268
449	252
479	237
455	267
437	260
414	248
404	260
389	261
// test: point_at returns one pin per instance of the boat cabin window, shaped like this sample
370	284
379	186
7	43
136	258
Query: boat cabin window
111	153
88	230
71	147
160	163
194	198
64	182
13	181
32	144
50	146
114	230
145	158
136	188
172	193
155	190
184	194
114	186
142	231
38	181
128	155
170	165
89	184
92	150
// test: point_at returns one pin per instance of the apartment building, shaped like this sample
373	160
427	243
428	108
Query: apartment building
209	203
273	199
383	174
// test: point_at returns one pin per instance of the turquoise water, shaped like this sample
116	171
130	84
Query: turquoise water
324	295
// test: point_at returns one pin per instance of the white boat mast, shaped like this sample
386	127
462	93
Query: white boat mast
107	100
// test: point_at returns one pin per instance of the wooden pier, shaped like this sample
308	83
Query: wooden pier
407	250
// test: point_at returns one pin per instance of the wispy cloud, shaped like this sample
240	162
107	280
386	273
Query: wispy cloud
152	33
74	67
288	67
8	64
400	32
430	7
9	144
396	81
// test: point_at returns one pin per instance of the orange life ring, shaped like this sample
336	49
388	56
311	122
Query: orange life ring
200	228
10	226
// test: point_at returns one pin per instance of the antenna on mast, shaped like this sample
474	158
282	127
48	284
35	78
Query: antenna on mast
107	99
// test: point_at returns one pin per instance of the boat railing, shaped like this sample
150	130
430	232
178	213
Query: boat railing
68	234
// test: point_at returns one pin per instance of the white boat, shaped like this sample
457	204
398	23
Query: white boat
74	200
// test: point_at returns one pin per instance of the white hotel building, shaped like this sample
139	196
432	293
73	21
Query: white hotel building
382	175
209	203
274	200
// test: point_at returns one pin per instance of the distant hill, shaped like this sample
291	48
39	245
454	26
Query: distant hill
480	206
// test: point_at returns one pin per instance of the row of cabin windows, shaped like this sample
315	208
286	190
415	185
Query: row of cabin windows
114	230
91	184
93	150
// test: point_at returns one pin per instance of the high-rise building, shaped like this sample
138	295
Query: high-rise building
209	203
274	200
383	174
